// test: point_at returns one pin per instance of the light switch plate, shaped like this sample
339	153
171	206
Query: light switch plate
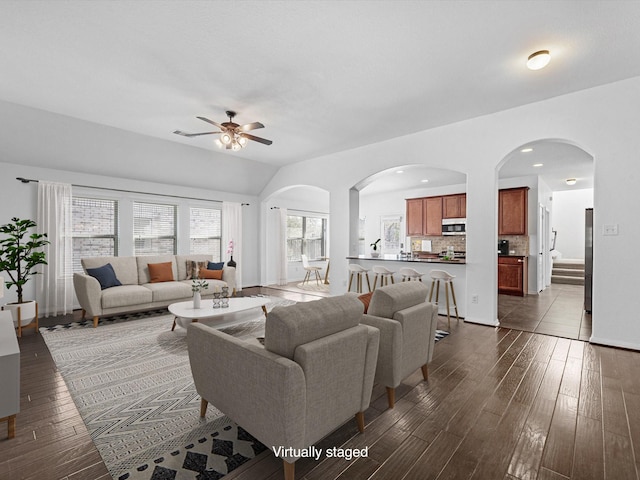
611	229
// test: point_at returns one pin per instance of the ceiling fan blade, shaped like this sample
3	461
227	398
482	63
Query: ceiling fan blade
251	126
256	139
211	122
185	134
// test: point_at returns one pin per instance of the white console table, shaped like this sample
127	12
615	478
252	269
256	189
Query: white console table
9	372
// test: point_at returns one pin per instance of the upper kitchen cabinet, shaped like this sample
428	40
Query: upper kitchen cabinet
424	216
454	206
415	216
432	223
512	211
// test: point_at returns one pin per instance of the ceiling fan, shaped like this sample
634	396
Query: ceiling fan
232	135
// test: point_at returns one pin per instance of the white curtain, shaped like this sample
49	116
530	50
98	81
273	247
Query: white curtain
281	251
232	232
54	288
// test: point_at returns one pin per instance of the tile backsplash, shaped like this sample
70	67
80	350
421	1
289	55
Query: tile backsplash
518	244
440	244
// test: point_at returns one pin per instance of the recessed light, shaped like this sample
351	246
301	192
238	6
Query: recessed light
538	164
424	180
570	181
538	60
399	171
527	150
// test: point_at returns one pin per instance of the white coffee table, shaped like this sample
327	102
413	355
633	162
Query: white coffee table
184	312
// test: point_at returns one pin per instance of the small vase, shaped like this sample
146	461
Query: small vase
231	263
196	300
375	253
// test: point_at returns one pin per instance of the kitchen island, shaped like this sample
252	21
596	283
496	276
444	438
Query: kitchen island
425	266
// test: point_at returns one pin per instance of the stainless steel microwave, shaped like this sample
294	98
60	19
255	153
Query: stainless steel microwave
454	226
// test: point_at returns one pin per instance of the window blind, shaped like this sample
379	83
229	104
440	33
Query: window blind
205	231
154	228
95	229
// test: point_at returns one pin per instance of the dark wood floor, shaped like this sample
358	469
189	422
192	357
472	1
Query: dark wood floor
499	404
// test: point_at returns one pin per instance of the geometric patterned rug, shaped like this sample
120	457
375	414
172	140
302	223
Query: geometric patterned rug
131	382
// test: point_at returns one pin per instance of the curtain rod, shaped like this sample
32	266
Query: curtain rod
29	180
301	211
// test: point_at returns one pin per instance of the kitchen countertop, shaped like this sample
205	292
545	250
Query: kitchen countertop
394	258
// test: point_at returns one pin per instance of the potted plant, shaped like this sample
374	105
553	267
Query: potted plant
374	247
197	285
20	254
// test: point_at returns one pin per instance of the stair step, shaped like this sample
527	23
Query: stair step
567	272
569	264
567	280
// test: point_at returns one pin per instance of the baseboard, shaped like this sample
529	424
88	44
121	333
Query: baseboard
613	343
481	322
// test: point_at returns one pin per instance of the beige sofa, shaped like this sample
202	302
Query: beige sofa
136	291
314	372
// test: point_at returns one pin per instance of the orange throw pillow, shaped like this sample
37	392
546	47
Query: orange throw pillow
366	299
160	272
211	274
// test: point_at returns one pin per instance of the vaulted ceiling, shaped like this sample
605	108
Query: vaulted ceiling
322	76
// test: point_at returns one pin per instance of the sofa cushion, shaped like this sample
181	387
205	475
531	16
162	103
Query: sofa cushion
390	299
288	327
105	275
193	268
212	274
160	272
144	261
181	263
215	265
164	291
125	295
125	267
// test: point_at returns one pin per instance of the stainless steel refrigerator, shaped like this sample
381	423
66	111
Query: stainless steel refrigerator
588	259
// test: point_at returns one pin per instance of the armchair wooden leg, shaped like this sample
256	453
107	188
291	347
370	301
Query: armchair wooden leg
95	322
391	396
289	470
360	420
425	372
203	407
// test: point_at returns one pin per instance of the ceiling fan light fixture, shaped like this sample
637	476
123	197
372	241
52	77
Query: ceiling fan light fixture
538	60
226	138
242	141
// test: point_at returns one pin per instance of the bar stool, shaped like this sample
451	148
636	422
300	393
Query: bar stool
436	277
409	274
384	273
357	271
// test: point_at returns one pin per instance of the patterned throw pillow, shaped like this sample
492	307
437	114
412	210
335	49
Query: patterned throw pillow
193	268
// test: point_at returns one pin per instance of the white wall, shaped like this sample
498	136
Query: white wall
19	200
600	120
568	220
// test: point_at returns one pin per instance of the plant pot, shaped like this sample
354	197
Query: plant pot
375	254
23	314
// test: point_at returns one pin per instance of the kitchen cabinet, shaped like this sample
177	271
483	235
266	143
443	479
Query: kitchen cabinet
512	211
512	275
415	217
432	224
454	206
424	216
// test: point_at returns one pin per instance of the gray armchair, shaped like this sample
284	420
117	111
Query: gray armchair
407	324
315	371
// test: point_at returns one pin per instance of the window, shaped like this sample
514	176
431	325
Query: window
95	229
154	229
205	231
305	235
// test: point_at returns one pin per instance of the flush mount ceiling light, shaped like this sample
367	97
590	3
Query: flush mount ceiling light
399	171
538	60
424	180
527	150
570	181
538	164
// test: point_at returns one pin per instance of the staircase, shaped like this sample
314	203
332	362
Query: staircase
568	271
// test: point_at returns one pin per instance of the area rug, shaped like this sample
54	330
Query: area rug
131	382
312	286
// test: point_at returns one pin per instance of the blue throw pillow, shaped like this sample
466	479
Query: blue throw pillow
215	266
105	275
